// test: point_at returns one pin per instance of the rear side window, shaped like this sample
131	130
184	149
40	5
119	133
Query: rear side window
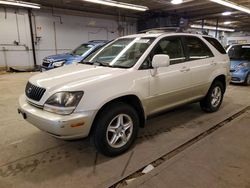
216	44
197	49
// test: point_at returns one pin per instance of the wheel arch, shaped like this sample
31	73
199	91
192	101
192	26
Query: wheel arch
222	79
131	100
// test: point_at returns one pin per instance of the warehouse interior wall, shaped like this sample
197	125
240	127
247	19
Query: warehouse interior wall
55	31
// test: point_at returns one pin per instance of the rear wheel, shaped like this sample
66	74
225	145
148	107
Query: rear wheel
247	81
115	129
214	97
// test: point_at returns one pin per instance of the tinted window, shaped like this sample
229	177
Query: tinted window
216	44
239	52
197	49
171	46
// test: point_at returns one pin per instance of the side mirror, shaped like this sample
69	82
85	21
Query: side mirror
160	60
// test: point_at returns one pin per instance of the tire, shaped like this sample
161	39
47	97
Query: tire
213	100
247	80
110	137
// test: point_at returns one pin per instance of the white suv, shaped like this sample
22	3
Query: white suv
111	94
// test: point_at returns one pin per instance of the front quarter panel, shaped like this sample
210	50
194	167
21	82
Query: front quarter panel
131	82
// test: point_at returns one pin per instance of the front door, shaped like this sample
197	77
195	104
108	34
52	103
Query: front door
170	85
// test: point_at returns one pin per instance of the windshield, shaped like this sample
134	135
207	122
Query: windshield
123	53
80	50
240	52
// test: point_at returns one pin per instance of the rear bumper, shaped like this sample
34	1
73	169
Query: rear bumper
73	126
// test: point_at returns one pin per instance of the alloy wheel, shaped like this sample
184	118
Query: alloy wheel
216	96
119	130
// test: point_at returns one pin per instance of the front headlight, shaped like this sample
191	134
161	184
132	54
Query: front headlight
242	65
63	103
58	63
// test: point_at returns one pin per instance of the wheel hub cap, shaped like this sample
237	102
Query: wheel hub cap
119	130
216	96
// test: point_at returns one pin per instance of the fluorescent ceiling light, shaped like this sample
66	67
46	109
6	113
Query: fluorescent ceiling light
176	2
227	22
21	4
232	5
227	13
119	4
211	28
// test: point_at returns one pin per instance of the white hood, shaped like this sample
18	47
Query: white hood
71	76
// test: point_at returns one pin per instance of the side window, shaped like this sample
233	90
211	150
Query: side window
197	49
216	44
171	46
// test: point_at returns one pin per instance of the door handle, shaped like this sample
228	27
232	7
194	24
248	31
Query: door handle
185	69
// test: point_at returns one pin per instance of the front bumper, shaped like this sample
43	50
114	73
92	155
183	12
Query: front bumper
44	68
73	126
238	77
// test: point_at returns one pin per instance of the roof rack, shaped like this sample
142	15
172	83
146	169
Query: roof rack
160	30
173	30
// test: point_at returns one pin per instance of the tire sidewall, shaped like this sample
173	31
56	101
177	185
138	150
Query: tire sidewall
246	81
209	97
103	122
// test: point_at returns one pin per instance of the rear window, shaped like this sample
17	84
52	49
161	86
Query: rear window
216	44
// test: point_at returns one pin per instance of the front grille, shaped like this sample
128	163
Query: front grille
46	63
33	92
232	70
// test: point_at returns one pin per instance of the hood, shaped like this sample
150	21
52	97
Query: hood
60	57
234	63
71	77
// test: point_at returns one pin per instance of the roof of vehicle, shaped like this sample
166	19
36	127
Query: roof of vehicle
163	33
231	45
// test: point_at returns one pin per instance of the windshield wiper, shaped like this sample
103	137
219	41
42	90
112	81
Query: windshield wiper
99	63
86	62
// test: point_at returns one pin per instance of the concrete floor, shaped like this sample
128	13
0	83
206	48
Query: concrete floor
220	160
31	158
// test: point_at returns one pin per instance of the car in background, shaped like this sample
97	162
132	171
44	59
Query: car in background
239	63
75	56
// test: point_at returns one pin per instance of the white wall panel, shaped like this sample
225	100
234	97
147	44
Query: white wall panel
54	33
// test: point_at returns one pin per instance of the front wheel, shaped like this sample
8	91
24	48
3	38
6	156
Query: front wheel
115	129
247	81
214	97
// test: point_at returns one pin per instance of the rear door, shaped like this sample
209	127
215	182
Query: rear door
201	62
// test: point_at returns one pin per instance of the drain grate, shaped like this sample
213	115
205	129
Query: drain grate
179	149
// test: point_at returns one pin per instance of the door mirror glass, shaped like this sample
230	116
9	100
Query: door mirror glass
160	60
